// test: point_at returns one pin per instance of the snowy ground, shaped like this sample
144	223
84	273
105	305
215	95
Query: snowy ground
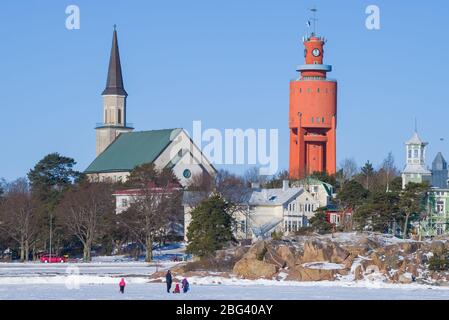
99	280
155	291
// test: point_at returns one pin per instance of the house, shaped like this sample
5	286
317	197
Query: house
436	221
263	211
321	191
119	150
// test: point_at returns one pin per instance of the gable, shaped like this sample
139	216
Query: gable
132	149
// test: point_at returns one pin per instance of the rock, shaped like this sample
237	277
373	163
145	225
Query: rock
299	273
405	278
357	249
254	269
315	250
437	247
286	254
257	251
272	257
358	273
240	252
339	255
408	247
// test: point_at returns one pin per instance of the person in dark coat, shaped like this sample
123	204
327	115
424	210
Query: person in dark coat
168	280
185	285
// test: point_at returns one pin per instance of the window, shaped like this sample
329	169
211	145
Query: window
312	119
119	116
105	116
440	206
124	202
308	90
243	226
187	173
322	119
409	153
318	90
416	153
300	90
317	120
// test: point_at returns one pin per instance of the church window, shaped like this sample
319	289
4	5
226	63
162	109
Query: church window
187	173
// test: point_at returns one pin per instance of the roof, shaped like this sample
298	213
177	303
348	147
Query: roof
273	197
415	139
312	181
114	83
132	149
416	168
439	163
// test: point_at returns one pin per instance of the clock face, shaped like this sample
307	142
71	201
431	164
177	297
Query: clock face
316	52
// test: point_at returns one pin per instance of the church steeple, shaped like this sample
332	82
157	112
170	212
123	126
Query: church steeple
114	102
114	83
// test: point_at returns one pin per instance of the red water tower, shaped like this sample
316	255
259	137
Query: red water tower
313	114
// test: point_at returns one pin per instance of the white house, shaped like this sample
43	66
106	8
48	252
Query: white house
265	210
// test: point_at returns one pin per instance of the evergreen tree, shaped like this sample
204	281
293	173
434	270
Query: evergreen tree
319	222
367	172
412	203
378	211
210	228
352	194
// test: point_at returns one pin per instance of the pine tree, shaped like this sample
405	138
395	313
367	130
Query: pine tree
210	228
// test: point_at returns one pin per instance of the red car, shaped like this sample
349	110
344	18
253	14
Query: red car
46	258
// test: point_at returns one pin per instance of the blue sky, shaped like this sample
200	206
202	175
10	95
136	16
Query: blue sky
227	63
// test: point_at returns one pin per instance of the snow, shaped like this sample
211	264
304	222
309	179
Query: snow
323	266
156	291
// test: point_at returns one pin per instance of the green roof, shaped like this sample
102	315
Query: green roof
132	149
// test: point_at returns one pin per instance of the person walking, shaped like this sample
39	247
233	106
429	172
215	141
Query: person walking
185	285
168	280
122	285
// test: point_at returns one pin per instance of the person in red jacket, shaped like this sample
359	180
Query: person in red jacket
177	290
122	285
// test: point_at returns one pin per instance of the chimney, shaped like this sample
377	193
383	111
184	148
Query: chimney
285	185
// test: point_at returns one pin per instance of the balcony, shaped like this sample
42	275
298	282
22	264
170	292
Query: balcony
115	125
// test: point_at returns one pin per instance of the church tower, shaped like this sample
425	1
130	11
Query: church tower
114	102
415	169
313	114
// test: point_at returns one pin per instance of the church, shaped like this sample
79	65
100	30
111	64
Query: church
119	149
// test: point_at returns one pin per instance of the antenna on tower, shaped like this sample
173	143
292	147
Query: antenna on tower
314	19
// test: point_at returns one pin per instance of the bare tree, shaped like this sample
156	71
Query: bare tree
18	216
389	170
252	175
349	168
84	211
155	204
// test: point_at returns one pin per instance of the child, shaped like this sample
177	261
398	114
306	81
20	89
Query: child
177	289
185	285
122	285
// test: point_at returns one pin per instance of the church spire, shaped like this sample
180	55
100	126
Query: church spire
114	84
